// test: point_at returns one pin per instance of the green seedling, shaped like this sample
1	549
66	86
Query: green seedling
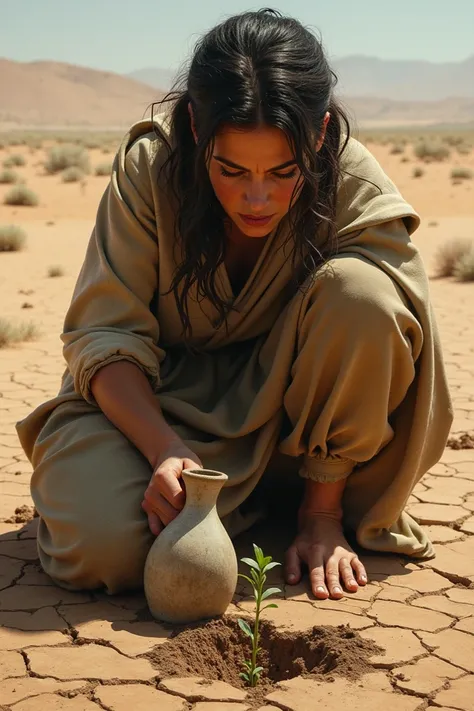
258	569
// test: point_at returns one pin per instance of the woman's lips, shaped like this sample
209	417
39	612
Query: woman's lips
254	220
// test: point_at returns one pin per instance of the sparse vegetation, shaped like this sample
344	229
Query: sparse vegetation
464	269
461	174
55	271
103	169
452	140
418	172
72	175
14	161
449	255
67	156
11	334
8	177
397	149
21	195
431	151
12	238
93	144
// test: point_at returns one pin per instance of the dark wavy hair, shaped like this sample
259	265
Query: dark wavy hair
254	68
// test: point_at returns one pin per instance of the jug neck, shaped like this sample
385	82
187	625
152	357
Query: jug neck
203	487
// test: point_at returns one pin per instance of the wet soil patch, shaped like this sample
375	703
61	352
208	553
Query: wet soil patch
462	441
215	650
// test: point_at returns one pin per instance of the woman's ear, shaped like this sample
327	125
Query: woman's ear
322	136
193	123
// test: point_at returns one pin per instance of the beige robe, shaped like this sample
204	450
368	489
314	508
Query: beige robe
345	377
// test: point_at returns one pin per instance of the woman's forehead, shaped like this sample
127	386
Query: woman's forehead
262	146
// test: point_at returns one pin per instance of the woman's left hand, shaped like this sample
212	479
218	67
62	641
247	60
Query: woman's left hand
332	563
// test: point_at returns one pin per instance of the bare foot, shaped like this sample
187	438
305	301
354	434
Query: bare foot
332	563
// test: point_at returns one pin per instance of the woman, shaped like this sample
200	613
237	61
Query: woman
251	302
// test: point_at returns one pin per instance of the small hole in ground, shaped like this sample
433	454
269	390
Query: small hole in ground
215	650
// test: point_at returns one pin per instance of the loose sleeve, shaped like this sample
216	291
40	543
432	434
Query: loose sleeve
109	317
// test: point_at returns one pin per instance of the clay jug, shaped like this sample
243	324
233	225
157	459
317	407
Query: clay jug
191	568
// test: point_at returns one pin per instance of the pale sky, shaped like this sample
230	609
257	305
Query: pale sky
124	36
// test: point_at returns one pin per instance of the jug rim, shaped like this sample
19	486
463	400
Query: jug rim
209	474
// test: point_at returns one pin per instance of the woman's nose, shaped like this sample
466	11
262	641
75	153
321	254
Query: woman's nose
257	196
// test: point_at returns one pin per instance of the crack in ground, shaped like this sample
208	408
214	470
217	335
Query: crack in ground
430	695
15	580
453	577
389	666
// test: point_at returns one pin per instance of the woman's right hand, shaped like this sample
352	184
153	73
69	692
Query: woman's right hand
165	495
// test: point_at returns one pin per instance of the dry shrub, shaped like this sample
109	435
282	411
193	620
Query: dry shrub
450	254
21	195
55	271
397	149
12	238
14	161
34	144
431	151
93	144
72	175
103	169
452	140
464	269
67	156
8	177
464	149
418	172
461	174
11	334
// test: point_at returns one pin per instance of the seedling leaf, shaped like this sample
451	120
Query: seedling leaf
251	562
258	554
270	591
269	566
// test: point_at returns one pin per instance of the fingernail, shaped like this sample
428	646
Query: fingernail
320	589
291	577
364	578
337	590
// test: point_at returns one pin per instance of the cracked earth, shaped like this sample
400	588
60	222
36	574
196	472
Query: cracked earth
81	652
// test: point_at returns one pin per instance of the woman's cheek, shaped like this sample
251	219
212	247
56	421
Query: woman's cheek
284	194
225	193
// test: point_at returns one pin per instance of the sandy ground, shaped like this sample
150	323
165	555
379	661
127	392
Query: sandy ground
421	615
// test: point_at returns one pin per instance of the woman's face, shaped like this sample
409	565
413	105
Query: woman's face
254	174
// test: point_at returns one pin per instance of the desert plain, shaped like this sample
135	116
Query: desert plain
68	651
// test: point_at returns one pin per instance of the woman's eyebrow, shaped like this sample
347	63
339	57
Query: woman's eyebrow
231	164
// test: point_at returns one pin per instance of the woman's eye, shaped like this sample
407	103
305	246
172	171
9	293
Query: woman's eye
229	173
291	174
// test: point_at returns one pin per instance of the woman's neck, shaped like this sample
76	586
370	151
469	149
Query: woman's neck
237	240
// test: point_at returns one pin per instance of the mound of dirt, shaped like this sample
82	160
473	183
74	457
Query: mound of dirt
215	650
23	514
463	441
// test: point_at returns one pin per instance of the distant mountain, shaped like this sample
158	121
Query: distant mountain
57	94
370	76
405	80
372	112
46	93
